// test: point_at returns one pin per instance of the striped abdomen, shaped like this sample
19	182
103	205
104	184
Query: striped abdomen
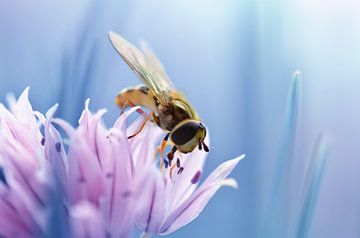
136	96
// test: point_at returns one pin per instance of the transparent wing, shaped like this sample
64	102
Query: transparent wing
146	66
164	82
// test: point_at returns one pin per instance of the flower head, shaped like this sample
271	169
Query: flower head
168	203
104	182
24	172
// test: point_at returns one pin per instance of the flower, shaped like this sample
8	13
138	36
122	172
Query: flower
24	171
95	181
168	203
100	182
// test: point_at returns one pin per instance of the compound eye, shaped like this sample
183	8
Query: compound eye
185	132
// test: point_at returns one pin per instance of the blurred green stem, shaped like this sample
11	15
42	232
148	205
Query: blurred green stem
315	174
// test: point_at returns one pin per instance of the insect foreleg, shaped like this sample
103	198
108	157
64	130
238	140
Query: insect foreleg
170	155
156	118
162	149
158	149
128	103
143	123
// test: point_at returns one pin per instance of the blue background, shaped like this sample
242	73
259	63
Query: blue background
234	60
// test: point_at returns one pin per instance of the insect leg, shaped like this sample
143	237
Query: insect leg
156	118
141	126
162	149
158	149
130	104
170	155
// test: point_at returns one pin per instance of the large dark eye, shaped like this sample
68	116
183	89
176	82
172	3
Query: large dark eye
185	132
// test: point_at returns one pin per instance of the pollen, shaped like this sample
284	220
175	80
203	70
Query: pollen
2	177
58	147
166	163
180	170
126	194
196	177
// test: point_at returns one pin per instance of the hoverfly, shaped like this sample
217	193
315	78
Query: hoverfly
169	108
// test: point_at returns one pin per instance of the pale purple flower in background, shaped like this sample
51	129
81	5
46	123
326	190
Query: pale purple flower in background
107	183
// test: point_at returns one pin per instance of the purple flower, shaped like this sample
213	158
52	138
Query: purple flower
105	182
24	171
100	183
168	203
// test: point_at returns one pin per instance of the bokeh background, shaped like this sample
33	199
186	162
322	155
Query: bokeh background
235	61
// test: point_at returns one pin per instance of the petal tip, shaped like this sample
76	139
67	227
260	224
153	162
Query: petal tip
50	113
87	102
112	36
297	73
111	33
26	90
11	99
24	94
230	182
102	111
237	159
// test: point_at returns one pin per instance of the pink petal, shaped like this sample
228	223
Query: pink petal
119	199
106	156
24	113
193	206
100	139
18	130
151	203
86	180
182	186
13	225
120	126
23	199
143	145
90	126
20	212
19	160
56	157
120	123
22	168
87	221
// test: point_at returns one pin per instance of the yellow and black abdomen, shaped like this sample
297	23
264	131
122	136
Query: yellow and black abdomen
136	96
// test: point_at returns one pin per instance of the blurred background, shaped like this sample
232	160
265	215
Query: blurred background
235	61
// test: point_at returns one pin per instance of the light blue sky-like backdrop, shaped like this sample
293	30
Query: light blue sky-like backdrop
234	60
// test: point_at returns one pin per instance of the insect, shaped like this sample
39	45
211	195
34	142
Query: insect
169	108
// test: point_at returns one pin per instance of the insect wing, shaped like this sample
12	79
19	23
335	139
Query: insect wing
146	66
163	82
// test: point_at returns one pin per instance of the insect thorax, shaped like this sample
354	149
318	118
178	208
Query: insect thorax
172	115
